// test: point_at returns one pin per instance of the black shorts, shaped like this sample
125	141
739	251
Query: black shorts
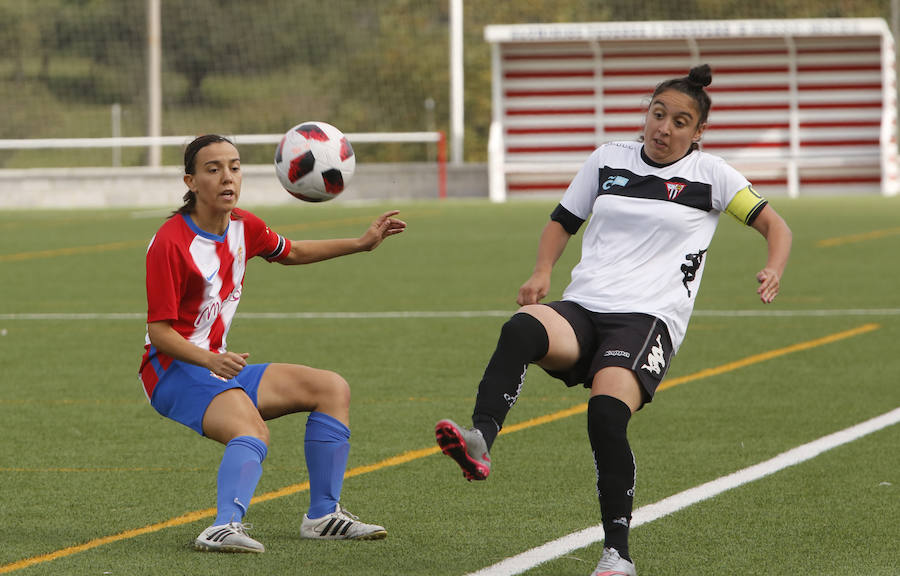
639	342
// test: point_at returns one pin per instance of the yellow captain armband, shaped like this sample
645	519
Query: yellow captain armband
746	205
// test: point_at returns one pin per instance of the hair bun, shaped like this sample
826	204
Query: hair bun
700	75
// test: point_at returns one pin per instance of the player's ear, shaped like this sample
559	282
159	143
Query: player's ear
699	133
189	181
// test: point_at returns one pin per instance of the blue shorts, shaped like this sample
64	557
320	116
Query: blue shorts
185	390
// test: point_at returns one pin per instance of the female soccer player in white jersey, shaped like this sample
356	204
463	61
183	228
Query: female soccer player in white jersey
195	273
653	207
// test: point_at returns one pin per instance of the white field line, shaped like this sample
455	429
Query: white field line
646	514
401	314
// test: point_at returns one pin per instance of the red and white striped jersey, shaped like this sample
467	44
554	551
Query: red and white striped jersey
194	280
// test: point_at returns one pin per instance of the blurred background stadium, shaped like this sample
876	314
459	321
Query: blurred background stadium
78	68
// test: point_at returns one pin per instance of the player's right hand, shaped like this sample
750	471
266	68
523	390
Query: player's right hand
533	290
228	364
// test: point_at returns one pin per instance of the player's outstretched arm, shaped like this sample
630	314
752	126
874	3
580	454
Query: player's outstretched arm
779	238
309	251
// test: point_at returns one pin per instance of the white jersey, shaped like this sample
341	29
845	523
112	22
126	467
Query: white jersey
650	226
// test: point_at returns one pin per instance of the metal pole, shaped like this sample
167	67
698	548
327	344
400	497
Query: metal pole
116	121
456	82
895	32
154	81
895	18
430	126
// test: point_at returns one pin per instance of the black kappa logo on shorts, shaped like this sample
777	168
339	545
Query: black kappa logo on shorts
690	270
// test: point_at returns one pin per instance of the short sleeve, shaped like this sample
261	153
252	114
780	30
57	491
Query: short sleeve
570	222
726	183
164	280
582	191
262	241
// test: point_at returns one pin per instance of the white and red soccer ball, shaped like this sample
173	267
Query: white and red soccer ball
314	161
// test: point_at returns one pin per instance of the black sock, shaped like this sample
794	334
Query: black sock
607	424
523	340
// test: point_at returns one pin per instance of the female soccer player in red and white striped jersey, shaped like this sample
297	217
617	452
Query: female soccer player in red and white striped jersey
195	273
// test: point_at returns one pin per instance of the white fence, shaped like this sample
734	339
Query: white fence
160	185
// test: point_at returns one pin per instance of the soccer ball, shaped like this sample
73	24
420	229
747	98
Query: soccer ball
314	161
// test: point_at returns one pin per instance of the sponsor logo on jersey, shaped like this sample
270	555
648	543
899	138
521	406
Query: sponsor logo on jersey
211	311
208	314
615	181
674	189
656	359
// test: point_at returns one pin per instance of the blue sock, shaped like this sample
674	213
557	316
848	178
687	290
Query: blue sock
327	445
239	473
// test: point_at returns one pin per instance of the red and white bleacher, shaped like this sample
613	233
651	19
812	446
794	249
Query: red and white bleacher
799	106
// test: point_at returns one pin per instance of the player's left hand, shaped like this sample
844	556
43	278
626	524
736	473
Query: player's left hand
769	283
383	226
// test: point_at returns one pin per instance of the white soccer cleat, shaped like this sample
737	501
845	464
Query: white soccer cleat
340	525
231	537
611	564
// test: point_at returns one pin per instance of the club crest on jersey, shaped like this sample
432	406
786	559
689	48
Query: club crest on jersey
674	189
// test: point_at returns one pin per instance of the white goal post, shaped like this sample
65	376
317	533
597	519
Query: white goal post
805	104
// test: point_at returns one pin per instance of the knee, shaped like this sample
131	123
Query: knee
261	432
255	427
337	389
525	330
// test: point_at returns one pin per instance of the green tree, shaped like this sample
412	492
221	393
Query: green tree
208	37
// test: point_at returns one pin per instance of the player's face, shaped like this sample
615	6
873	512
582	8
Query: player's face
672	125
216	180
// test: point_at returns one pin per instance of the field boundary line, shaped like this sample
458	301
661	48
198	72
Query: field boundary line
855	238
419	314
412	455
651	512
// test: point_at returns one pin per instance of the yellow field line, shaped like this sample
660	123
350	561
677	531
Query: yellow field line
72	250
854	238
422	453
69	251
756	358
